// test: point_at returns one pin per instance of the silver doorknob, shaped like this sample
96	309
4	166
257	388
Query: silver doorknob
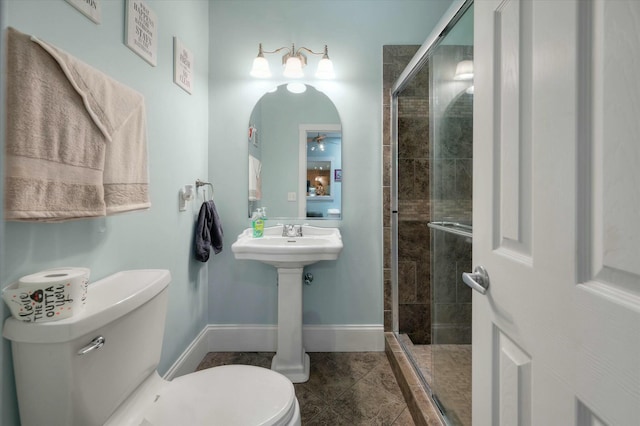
478	280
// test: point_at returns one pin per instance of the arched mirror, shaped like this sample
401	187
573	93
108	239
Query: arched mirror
295	155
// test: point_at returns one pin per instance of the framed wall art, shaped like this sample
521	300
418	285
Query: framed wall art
182	66
141	31
89	8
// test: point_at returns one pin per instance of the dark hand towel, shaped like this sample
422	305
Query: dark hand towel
208	231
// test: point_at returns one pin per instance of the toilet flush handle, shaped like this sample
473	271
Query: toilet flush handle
96	343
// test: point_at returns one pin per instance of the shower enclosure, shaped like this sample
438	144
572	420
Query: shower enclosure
431	201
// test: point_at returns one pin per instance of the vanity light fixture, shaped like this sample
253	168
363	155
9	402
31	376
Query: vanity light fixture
293	61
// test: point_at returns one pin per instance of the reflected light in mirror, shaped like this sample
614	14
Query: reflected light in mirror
464	70
296	87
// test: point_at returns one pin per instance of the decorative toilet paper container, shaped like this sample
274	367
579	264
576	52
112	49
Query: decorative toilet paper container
49	295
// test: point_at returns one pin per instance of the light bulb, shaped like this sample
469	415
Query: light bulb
325	69
260	68
293	68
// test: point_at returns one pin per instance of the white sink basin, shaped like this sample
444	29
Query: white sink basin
316	244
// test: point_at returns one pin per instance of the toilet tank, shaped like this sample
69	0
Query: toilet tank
57	385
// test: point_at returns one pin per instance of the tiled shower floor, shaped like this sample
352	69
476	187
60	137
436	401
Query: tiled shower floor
344	388
452	379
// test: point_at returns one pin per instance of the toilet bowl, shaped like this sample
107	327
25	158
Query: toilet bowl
227	395
99	367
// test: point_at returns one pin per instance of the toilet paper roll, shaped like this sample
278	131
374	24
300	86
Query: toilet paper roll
54	276
48	295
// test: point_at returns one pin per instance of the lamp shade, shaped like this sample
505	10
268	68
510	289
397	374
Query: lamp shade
260	68
464	70
293	68
325	69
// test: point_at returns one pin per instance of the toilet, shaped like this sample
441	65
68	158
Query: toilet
99	367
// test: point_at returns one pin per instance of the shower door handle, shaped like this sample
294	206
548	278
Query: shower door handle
478	280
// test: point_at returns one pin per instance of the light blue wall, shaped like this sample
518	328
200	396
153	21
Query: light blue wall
178	154
462	32
350	290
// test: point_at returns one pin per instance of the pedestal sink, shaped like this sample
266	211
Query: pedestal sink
289	254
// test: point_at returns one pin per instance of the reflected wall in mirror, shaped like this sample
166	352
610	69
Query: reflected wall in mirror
322	146
295	155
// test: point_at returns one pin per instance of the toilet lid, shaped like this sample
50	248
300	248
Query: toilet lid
227	395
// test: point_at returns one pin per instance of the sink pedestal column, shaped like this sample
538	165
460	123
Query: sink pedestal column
290	358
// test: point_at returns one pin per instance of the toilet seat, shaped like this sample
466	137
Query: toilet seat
227	395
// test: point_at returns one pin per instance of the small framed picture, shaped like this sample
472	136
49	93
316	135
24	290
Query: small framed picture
337	175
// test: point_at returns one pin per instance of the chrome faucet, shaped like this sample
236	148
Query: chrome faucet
292	230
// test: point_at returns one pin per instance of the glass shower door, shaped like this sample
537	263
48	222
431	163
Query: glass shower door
451	126
451	346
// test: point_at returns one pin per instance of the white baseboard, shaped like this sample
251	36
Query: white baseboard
263	338
188	361
343	338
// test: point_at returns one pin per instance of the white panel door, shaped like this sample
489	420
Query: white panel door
556	338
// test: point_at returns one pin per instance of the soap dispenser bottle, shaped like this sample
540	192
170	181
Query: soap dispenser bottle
257	224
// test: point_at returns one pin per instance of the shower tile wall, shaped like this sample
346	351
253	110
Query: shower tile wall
413	198
452	297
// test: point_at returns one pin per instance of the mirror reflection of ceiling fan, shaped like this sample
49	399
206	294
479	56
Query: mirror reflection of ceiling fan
317	138
320	140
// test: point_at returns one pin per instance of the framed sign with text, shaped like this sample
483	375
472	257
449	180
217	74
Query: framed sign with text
89	8
182	66
141	31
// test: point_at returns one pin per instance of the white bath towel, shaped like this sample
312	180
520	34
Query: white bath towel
76	138
255	179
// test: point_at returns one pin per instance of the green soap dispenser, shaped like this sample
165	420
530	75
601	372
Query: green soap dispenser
257	224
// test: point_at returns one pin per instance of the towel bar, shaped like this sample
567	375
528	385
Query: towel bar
200	183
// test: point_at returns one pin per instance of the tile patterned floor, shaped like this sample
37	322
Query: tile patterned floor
344	388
